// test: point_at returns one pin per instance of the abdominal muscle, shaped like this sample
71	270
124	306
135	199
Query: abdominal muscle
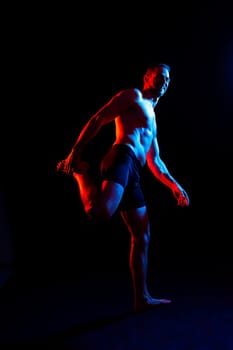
136	128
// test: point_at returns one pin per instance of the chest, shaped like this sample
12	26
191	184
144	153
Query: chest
142	115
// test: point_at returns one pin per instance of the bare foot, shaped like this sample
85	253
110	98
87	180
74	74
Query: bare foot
65	167
61	166
149	303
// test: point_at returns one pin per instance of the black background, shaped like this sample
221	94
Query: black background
62	63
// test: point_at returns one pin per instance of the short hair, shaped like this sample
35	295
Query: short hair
152	67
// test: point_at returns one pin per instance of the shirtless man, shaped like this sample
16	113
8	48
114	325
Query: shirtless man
135	145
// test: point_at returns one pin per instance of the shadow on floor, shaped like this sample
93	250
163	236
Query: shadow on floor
95	312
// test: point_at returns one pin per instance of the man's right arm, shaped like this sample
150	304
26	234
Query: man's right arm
103	116
112	109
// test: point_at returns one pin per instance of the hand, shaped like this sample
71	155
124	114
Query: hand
181	197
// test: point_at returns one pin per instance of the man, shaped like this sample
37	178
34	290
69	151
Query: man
135	144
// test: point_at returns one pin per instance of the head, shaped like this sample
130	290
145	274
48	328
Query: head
157	79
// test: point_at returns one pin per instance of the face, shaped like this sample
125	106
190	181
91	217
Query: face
158	81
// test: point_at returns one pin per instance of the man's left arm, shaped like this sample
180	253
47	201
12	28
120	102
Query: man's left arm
161	172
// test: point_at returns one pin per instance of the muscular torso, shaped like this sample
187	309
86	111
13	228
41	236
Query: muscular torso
136	127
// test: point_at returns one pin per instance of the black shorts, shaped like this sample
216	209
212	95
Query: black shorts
121	165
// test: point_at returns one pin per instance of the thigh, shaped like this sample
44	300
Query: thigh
110	197
115	166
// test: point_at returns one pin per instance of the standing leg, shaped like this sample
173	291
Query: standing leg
138	225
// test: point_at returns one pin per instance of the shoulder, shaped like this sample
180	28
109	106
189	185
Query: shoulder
125	99
131	95
131	92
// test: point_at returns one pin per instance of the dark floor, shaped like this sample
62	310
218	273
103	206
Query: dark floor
94	311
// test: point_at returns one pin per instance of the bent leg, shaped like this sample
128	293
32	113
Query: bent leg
137	223
87	189
99	203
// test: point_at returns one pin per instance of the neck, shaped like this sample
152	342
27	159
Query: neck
151	97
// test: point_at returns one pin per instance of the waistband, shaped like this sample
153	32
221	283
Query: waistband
128	150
